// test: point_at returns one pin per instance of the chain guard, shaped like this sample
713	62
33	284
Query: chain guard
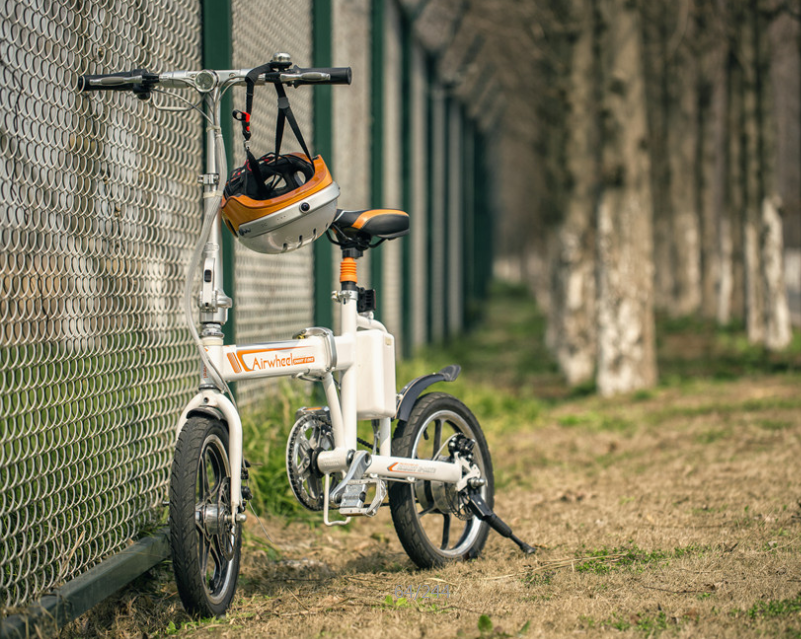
312	433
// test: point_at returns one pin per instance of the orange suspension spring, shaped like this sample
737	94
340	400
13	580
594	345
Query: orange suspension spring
347	270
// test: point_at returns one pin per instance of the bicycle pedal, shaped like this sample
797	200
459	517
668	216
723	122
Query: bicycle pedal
353	499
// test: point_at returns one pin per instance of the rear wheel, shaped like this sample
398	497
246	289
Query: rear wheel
205	542
431	521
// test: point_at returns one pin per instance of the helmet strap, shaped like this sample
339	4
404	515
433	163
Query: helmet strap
284	115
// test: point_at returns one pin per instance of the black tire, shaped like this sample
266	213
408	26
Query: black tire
205	556
413	506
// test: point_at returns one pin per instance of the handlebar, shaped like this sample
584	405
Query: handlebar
335	75
140	81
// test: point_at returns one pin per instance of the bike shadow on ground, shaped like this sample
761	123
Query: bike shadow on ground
281	578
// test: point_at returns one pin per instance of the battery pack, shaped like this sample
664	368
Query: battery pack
375	374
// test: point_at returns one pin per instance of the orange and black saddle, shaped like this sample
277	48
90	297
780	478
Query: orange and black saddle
362	228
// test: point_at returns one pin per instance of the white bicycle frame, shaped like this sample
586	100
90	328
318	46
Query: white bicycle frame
315	354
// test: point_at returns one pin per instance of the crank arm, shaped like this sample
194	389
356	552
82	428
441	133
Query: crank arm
481	510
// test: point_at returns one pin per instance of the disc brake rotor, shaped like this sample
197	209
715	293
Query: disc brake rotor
226	535
310	435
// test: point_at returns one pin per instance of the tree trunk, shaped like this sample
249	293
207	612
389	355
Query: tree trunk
682	137
720	195
769	58
573	334
736	191
752	176
626	344
655	38
711	154
778	333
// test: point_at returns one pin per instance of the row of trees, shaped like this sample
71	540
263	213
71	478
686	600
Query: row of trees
664	153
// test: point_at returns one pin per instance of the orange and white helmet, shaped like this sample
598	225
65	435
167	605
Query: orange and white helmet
278	203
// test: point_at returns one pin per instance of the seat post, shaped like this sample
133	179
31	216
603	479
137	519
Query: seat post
349	305
347	268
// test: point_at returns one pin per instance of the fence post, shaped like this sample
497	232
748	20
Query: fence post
430	200
407	149
447	159
323	145
484	234
468	224
218	53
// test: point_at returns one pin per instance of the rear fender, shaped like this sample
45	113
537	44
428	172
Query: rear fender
409	393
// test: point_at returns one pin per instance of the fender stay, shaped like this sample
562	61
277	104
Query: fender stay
409	393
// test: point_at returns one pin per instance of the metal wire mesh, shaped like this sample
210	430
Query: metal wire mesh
274	293
98	210
351	105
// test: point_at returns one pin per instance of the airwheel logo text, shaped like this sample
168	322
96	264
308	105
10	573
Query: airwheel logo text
278	358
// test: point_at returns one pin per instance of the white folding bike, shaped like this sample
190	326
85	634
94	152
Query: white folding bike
435	470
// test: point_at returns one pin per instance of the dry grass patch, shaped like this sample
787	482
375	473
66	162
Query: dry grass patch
672	512
683	524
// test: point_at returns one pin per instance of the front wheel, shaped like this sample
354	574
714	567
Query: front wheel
430	519
205	542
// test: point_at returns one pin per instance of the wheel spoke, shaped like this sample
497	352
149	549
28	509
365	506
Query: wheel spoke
437	437
446	530
204	478
219	562
217	471
426	511
204	547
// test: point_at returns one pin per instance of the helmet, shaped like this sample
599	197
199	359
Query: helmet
279	203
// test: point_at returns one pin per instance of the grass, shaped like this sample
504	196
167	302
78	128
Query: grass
265	433
672	511
776	608
604	560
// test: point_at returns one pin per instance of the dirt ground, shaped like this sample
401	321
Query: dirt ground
674	512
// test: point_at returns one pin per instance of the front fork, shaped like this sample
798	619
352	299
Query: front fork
211	400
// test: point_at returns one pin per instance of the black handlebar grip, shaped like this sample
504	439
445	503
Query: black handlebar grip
85	81
339	75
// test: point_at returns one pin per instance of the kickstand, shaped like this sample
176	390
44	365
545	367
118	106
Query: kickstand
481	510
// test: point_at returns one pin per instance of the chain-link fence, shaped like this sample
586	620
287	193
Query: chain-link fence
99	211
274	293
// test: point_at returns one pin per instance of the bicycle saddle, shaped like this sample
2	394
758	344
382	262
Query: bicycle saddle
384	224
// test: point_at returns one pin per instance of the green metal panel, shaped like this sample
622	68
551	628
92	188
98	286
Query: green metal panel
483	219
476	244
468	225
377	132
218	53
323	145
407	149
446	232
